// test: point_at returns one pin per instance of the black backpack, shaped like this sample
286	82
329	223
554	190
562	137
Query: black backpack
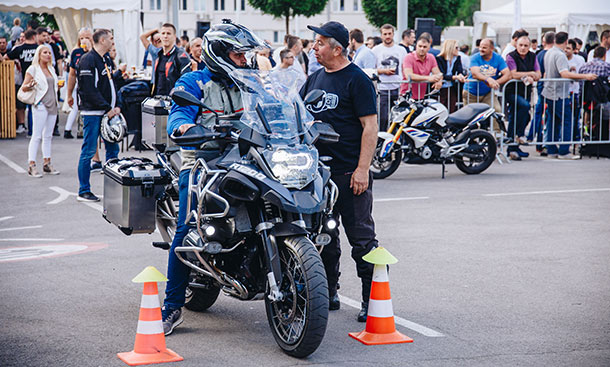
597	90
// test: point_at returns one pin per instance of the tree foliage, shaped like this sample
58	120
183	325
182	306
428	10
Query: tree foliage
466	10
380	12
289	8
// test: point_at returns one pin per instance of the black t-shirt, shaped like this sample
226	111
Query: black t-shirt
25	54
349	95
75	57
163	86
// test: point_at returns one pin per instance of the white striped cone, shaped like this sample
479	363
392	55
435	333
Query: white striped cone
150	339
380	327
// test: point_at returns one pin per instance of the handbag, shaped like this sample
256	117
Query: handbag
28	97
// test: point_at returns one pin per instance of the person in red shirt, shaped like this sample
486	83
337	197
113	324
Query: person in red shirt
421	66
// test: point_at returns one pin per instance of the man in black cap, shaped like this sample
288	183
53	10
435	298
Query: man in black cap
350	107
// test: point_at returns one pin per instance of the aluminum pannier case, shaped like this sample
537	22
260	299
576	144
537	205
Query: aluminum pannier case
131	189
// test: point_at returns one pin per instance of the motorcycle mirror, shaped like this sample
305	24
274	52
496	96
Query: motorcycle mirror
184	98
314	96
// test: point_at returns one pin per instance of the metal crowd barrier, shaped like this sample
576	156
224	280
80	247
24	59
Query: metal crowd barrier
550	122
582	122
458	101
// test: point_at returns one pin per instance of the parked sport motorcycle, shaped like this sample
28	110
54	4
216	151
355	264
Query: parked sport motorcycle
259	209
422	131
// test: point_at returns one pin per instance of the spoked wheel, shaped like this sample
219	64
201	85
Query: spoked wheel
298	321
386	166
479	155
167	214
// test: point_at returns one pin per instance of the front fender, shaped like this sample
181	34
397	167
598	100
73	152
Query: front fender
388	143
385	135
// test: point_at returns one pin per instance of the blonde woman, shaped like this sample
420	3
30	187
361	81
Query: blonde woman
41	77
450	64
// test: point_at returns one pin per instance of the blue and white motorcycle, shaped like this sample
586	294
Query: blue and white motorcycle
422	132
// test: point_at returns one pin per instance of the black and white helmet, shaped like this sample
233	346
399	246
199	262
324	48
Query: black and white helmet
219	40
114	129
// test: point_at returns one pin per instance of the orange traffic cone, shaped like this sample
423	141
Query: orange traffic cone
150	340
380	327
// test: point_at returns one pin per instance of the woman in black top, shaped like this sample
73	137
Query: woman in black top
450	64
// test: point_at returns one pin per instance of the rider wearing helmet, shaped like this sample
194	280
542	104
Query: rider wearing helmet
224	47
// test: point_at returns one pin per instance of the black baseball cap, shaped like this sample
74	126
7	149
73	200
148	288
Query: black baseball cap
335	30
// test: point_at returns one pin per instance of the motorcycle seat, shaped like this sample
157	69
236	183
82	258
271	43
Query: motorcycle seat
464	115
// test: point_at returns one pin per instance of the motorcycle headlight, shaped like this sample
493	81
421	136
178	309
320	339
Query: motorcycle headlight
294	167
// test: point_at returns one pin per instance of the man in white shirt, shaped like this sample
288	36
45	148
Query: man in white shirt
605	37
513	42
389	68
575	61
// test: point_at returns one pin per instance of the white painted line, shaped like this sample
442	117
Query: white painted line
12	164
546	192
6	218
95	206
399	320
18	228
63	195
31	239
401	199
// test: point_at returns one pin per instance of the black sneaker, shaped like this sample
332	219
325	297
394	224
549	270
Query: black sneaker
334	303
87	196
56	131
364	310
68	134
171	319
96	166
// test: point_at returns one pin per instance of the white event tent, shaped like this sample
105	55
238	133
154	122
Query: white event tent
577	18
121	16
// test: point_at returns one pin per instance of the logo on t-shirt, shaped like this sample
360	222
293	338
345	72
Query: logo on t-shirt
328	102
391	63
488	70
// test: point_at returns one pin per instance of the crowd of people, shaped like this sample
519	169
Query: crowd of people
412	65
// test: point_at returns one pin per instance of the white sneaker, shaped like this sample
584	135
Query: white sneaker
568	156
20	129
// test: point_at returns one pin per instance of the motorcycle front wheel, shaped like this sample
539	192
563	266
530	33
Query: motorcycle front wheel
479	155
298	321
385	167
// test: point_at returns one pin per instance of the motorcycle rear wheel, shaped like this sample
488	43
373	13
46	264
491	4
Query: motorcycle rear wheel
484	145
298	322
386	167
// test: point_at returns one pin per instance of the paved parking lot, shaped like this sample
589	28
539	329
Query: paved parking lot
506	268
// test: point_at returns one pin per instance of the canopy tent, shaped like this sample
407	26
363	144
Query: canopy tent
121	16
578	19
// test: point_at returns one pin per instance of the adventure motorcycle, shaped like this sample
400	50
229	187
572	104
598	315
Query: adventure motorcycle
422	131
259	207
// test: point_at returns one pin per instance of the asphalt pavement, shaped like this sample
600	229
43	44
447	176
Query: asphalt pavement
506	268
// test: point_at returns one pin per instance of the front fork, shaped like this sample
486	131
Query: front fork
388	144
272	258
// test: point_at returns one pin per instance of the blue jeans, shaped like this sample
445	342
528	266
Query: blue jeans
558	125
177	272
518	115
91	132
536	125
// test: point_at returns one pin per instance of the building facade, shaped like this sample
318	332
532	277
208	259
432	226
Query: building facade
196	16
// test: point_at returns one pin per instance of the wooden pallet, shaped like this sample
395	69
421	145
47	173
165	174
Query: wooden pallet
8	122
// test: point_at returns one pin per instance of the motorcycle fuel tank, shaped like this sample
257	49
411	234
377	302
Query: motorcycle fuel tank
434	111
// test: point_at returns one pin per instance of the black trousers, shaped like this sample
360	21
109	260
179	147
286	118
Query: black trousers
355	212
